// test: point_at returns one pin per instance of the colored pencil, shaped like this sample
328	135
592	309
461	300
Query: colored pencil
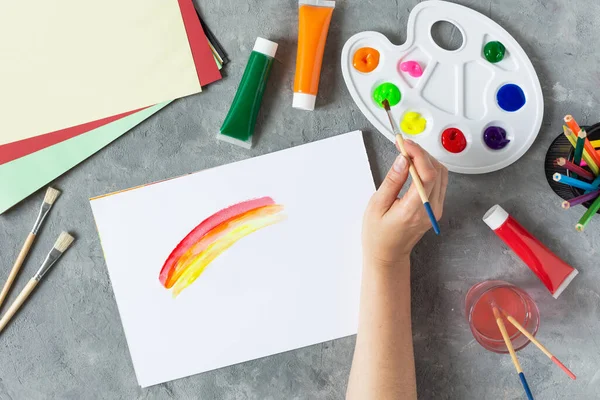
581	136
589	214
49	199
596	144
576	169
572	124
590	149
576	129
511	350
538	344
62	244
567	180
589	161
580	199
595	182
413	171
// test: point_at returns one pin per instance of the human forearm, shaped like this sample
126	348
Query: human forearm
383	365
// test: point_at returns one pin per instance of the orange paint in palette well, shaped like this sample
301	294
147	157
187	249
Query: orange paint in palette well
366	59
213	236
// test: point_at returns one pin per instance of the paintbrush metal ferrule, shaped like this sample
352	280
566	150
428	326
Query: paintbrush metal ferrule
62	244
50	260
44	209
388	111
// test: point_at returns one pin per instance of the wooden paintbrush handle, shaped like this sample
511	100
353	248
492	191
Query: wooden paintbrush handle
417	181
14	307
16	267
413	171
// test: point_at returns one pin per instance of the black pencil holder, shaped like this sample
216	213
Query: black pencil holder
561	147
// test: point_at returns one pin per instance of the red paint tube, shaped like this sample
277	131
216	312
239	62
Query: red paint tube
554	273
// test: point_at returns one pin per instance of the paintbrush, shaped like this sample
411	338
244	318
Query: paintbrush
533	340
511	350
62	244
413	171
49	199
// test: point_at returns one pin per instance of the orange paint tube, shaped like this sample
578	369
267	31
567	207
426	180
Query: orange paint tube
314	17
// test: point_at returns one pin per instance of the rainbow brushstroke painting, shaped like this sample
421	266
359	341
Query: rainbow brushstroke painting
213	236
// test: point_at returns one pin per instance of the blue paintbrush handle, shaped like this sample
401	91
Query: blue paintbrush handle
434	223
525	386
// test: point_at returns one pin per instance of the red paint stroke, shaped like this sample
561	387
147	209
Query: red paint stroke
203	229
206	68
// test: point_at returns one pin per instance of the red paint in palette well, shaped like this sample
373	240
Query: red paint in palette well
204	228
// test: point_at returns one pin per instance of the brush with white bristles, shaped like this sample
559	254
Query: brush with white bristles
62	244
49	199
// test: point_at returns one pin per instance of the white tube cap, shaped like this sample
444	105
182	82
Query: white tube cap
495	217
565	283
304	101
265	47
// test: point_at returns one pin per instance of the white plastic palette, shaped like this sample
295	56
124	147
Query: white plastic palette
458	88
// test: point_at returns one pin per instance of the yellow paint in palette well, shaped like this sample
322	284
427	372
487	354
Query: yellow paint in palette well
196	266
413	123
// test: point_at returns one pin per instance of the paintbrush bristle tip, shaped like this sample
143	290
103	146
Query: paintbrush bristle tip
386	104
63	242
495	311
51	195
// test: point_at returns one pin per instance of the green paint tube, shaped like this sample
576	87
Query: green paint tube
239	123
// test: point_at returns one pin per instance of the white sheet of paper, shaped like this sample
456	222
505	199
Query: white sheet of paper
69	62
286	286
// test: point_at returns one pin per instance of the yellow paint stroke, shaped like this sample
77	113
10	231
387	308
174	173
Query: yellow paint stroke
194	267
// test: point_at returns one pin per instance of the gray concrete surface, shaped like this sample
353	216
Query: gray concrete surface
68	342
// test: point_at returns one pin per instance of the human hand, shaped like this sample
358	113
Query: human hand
392	226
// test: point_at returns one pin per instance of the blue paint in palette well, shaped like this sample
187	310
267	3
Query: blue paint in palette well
510	97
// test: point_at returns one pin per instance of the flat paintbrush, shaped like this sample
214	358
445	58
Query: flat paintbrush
49	199
413	171
62	244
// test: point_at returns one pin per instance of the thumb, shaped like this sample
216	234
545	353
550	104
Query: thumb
392	184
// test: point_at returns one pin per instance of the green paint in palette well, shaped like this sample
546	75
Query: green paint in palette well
25	175
387	91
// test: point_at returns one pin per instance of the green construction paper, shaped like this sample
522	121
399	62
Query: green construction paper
25	175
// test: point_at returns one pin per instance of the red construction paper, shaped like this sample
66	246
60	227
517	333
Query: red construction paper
21	148
206	68
208	72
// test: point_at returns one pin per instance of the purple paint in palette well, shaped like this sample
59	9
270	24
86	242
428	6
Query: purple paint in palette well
495	137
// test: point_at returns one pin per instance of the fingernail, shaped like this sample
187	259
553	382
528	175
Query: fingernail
399	164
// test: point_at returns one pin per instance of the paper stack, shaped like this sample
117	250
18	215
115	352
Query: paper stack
77	75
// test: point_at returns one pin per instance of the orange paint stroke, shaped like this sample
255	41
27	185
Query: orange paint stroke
212	237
